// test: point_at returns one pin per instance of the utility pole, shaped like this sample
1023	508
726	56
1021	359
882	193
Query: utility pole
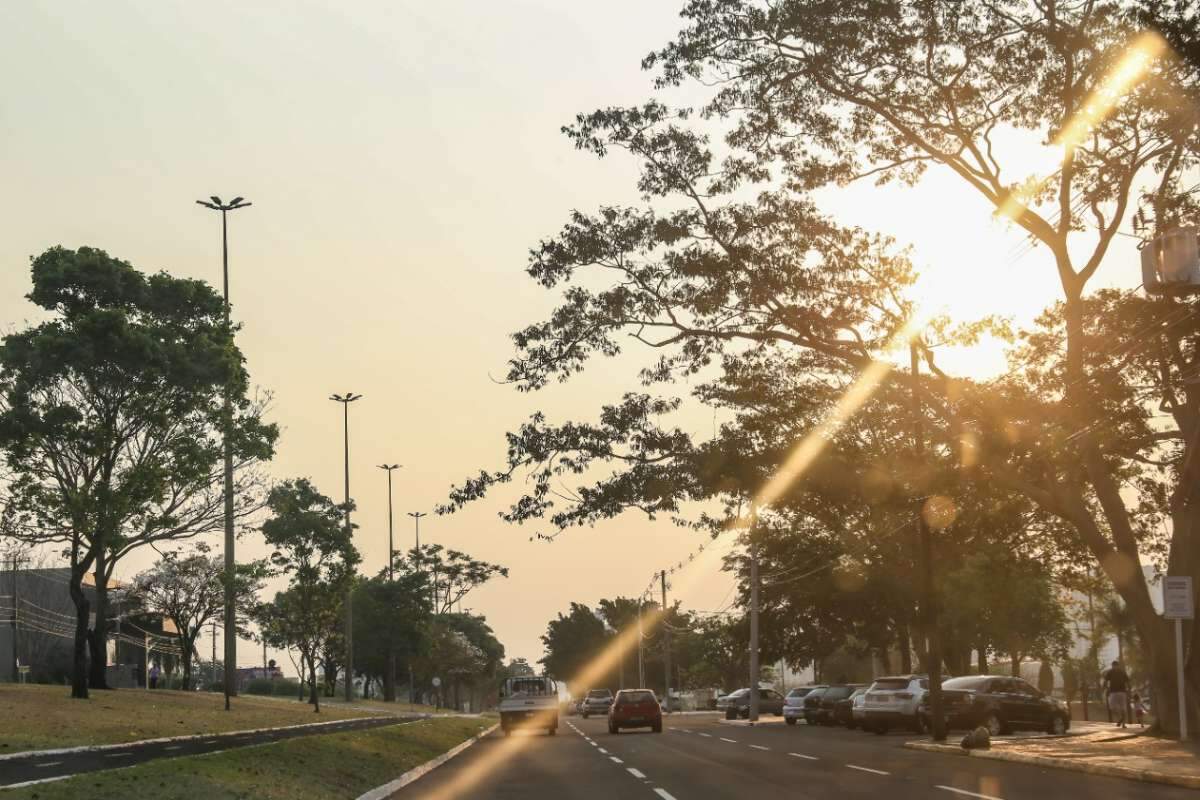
346	400
16	600
214	657
666	642
928	598
641	664
227	446
265	675
755	669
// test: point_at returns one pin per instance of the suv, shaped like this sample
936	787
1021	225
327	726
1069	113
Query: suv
597	701
895	702
793	704
1000	705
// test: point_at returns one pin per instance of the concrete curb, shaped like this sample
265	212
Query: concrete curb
388	789
93	748
1108	770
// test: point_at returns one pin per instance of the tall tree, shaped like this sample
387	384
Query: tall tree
391	616
452	574
110	422
188	588
572	641
312	546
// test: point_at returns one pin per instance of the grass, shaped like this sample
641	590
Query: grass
41	717
336	765
399	707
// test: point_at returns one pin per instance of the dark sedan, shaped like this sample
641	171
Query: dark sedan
812	704
1001	705
825	712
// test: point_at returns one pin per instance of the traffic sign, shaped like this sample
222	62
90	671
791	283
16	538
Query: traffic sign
436	682
1177	598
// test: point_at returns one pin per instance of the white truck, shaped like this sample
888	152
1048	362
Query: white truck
529	701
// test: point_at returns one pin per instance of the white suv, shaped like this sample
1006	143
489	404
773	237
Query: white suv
893	702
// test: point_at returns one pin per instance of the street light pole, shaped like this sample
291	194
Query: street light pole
416	515
391	547
227	446
929	610
346	400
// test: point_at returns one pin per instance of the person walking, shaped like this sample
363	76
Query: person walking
1116	686
154	673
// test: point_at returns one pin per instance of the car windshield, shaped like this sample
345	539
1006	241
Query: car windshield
628	698
890	685
816	694
967	683
799	692
837	693
599	694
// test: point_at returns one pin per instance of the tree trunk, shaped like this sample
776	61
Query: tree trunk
981	655
187	669
98	638
389	677
314	695
1016	665
79	663
903	643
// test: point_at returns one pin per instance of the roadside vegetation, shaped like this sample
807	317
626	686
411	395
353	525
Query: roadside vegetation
331	766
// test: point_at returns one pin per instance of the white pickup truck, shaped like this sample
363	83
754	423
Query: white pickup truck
530	701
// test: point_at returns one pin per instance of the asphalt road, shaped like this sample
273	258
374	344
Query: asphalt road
699	757
37	767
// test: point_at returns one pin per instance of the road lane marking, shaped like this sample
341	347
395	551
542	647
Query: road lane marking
593	744
616	760
117	755
801	755
636	773
602	750
706	735
664	794
968	794
759	747
731	741
173	747
49	764
868	769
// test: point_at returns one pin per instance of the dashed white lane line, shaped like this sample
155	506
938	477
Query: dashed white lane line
801	755
117	755
593	744
868	769
616	760
706	735
663	793
48	764
731	741
602	750
759	747
965	793
637	773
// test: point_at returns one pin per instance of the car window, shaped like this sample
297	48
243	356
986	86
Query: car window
740	693
798	692
628	698
603	694
968	683
891	684
1025	688
924	683
837	693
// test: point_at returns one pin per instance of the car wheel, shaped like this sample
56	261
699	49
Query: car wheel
657	728
790	720
746	714
995	726
1058	725
552	731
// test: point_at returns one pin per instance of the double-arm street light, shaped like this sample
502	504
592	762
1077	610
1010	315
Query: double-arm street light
346	399
391	547
416	515
215	204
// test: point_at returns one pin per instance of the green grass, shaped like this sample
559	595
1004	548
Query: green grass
336	765
399	707
41	717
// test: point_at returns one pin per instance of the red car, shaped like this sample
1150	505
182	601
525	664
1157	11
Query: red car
635	708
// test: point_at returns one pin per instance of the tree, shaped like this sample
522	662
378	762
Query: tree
818	93
312	546
621	615
110	422
391	617
452	574
572	641
189	589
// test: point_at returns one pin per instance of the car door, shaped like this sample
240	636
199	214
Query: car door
777	701
1010	700
1034	708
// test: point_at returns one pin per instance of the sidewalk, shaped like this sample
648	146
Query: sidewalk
1097	749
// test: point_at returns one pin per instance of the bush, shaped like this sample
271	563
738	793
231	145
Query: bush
259	686
288	687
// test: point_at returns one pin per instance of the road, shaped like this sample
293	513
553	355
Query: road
701	758
36	766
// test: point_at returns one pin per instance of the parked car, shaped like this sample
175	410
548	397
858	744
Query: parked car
858	713
737	704
812	701
841	714
825	710
597	701
894	702
793	703
1001	705
635	708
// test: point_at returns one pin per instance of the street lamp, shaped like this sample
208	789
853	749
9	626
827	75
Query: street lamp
391	548
346	399
416	515
227	414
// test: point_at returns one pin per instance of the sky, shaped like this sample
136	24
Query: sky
401	159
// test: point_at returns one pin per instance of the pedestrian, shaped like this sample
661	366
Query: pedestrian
154	673
1139	709
1116	685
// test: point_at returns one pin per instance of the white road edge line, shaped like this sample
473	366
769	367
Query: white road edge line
173	747
801	755
616	760
636	773
663	793
731	741
968	794
759	747
49	764
117	755
868	769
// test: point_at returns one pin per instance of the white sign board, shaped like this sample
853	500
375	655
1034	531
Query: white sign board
436	682
1177	598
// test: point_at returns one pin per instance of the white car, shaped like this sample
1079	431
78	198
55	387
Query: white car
793	704
529	701
597	701
893	702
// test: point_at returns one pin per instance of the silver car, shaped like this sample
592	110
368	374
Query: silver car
893	702
793	704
